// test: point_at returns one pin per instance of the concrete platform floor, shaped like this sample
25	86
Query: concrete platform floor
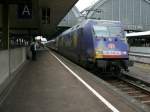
140	71
46	86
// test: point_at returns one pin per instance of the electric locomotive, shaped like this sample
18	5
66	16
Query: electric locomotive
98	43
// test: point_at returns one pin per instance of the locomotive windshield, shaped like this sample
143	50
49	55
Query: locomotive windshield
101	31
107	31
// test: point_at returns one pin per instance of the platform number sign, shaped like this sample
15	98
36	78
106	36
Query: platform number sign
24	11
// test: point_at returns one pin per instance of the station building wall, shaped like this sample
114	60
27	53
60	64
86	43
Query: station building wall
10	63
0	16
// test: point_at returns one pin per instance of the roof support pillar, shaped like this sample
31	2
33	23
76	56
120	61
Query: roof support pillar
5	27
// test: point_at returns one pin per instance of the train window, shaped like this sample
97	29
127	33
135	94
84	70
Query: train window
59	41
108	31
74	39
62	41
101	31
115	31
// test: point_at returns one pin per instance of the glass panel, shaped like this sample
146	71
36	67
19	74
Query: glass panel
43	15
48	16
107	31
101	31
115	31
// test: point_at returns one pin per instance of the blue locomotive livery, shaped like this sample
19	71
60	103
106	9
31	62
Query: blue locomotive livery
98	43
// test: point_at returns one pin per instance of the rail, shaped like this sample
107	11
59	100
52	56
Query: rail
134	88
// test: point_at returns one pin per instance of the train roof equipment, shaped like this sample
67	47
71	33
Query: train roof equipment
83	23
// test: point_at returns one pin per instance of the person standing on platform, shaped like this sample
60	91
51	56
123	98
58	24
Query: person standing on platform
33	50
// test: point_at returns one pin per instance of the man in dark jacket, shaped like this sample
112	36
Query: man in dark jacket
33	50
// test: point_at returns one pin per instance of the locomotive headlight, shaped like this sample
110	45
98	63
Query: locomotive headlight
99	52
124	52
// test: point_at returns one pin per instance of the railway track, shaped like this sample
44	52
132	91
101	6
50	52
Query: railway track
134	88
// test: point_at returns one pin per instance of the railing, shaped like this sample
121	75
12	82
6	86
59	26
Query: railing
140	54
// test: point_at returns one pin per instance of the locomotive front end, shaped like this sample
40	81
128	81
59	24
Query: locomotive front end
111	49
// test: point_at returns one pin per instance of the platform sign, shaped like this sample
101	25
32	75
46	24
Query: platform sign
24	11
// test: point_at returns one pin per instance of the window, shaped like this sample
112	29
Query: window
107	31
45	15
115	31
101	31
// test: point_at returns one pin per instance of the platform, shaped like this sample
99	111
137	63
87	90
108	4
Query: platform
140	71
46	85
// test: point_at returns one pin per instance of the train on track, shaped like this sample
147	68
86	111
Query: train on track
94	43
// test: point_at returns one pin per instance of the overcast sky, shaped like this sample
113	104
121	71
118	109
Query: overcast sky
82	4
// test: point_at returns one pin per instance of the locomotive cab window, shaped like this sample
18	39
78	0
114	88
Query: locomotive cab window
100	31
110	31
115	31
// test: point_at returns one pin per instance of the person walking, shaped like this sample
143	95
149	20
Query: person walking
33	50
